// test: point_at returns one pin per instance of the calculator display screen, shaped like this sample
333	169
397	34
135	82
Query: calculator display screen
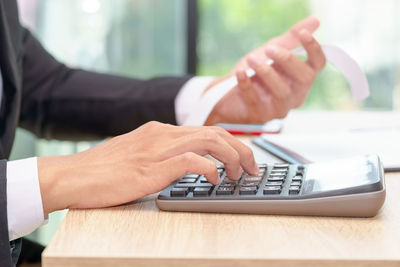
341	174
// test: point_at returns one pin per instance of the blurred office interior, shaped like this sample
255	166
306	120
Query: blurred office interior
145	38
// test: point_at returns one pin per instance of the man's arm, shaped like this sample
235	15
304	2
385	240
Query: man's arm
64	103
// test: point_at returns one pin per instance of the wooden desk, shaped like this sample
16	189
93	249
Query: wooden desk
140	235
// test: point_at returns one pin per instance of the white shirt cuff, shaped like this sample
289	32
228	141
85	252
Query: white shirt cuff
24	201
189	96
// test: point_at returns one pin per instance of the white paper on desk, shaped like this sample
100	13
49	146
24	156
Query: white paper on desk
338	145
351	70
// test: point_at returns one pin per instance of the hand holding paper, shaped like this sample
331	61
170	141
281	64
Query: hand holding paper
273	90
271	79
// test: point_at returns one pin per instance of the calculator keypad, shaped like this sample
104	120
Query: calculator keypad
272	180
202	191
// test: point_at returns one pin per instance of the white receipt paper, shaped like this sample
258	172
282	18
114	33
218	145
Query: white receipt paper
334	55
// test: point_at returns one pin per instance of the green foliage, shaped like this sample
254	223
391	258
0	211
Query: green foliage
228	29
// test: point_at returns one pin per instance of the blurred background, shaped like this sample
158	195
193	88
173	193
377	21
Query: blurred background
145	38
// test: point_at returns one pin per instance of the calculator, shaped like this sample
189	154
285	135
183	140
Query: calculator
351	187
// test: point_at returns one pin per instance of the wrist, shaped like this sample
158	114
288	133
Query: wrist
52	172
214	118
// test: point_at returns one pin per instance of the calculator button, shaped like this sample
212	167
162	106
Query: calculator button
278	174
263	166
202	191
225	190
269	190
253	179
229	181
179	192
300	168
297	178
295	183
191	175
187	180
246	183
293	190
276	178
204	185
277	183
248	190
203	180
279	170
281	165
227	184
185	185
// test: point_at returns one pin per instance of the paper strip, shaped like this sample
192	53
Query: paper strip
335	55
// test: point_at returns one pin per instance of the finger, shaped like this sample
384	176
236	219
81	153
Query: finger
246	157
245	153
208	142
290	39
181	164
316	58
291	65
275	84
248	93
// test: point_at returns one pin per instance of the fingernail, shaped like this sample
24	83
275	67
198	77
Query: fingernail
305	36
256	169
254	61
241	75
240	173
271	50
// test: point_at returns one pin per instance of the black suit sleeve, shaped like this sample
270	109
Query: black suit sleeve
64	103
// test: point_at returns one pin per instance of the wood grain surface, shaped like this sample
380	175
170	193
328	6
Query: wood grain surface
139	234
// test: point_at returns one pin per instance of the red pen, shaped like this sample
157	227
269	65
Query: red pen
272	127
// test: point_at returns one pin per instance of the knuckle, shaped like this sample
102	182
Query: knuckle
211	168
210	135
235	157
283	95
152	124
305	78
245	84
267	70
218	130
188	158
248	153
286	56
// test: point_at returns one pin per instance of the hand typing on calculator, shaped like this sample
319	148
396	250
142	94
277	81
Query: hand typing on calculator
139	163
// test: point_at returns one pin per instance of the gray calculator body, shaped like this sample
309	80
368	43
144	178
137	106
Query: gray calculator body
352	187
